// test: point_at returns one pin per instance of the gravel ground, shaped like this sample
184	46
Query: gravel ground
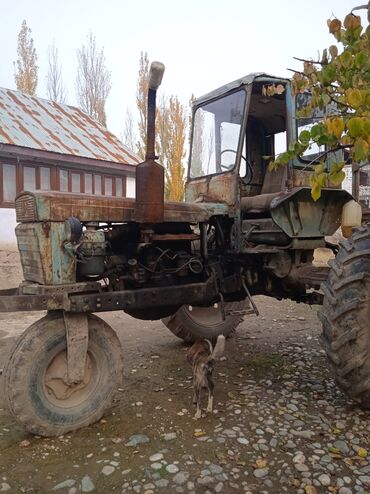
280	424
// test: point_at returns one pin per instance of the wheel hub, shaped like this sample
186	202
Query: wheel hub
56	378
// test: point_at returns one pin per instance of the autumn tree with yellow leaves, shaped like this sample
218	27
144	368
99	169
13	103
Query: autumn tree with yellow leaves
142	102
171	124
26	65
175	150
340	80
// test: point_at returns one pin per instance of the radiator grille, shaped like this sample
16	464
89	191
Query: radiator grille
25	208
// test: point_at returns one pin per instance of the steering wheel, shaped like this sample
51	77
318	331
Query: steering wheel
226	167
248	167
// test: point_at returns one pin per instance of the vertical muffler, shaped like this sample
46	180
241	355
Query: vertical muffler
150	174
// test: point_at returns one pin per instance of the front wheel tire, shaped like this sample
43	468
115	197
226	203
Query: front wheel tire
36	387
194	323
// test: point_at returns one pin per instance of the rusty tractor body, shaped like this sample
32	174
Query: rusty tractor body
242	231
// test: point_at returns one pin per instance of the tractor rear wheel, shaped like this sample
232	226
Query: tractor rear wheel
37	391
345	316
194	323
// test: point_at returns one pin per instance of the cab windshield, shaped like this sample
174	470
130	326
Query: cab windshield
216	135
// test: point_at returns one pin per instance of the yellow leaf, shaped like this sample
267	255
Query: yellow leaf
355	126
354	98
362	452
295	482
316	192
352	21
334	25
199	433
337	126
310	489
320	168
333	50
361	149
260	464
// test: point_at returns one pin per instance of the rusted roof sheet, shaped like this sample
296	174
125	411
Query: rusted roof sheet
37	123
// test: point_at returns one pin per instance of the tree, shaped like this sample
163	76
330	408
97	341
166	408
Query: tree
54	84
175	150
197	141
340	79
170	125
142	102
162	130
93	82
129	134
26	69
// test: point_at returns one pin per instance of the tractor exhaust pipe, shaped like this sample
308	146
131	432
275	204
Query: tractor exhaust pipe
150	174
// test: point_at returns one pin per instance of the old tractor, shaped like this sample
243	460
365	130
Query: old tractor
242	231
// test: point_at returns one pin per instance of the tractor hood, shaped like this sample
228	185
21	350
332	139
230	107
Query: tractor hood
58	206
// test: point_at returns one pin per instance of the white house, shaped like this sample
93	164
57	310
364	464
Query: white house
50	146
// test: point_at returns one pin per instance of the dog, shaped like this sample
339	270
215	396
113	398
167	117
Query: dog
201	355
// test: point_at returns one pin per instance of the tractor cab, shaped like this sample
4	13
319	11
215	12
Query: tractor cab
237	130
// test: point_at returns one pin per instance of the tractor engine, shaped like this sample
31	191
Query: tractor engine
127	257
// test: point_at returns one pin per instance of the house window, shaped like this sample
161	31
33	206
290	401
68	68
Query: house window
9	183
45	183
119	186
76	182
63	180
97	185
29	178
88	183
108	186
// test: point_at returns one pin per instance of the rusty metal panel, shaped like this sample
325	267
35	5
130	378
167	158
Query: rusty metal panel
25	208
149	192
36	123
29	252
14	302
58	206
243	81
43	257
77	332
213	188
299	216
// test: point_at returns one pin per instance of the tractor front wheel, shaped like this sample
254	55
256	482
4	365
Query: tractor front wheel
345	316
38	393
194	323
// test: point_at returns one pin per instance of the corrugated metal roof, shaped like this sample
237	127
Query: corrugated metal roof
37	123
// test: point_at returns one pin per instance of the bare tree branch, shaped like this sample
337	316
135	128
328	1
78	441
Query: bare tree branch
129	134
54	84
93	82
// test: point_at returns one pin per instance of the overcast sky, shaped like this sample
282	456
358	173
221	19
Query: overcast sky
204	44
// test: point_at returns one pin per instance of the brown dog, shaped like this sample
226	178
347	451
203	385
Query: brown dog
202	356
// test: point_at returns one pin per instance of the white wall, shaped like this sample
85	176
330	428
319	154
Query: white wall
130	186
347	182
7	225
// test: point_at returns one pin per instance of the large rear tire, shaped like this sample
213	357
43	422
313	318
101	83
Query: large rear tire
37	392
345	316
194	323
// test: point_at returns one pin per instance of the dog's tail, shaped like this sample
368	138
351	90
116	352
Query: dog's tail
219	348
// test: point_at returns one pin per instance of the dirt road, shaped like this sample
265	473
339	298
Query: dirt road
279	425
